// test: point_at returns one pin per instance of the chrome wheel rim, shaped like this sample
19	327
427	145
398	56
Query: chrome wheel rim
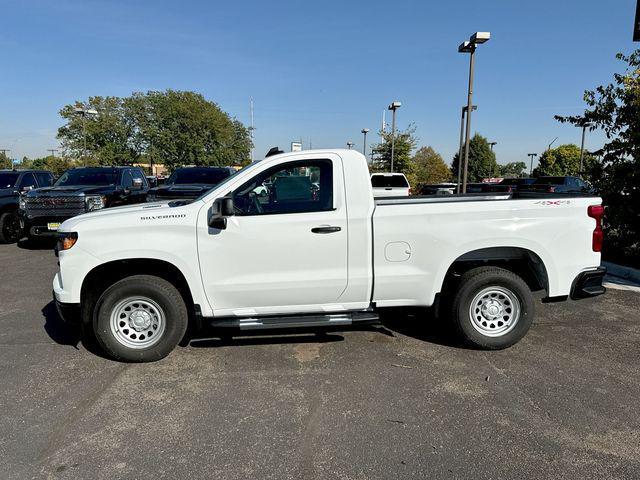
494	311
137	322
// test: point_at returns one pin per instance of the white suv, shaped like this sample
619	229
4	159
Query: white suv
390	185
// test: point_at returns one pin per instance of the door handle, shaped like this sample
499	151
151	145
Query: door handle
325	229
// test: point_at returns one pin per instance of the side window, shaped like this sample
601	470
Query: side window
294	187
127	180
44	179
135	173
28	180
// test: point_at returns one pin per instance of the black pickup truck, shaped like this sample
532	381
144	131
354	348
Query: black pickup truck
12	184
188	183
77	191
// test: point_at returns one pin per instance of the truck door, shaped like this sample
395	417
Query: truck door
286	247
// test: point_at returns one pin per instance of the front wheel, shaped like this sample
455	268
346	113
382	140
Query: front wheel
493	308
140	319
9	228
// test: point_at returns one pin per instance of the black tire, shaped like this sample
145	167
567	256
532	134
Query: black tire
471	329
160	292
9	227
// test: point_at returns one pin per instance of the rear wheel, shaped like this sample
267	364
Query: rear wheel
9	227
493	308
140	319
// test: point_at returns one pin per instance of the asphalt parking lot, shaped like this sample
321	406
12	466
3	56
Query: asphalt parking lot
403	401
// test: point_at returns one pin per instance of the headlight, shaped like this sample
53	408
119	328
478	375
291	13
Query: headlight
66	240
22	203
94	202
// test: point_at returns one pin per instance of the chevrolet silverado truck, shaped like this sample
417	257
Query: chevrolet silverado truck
188	183
14	183
77	191
319	251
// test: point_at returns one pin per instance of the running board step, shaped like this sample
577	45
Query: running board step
296	321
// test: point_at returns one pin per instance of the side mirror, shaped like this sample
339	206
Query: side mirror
220	210
137	184
28	188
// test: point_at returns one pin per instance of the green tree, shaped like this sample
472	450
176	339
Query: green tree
615	109
563	160
427	166
405	142
57	165
108	134
5	162
513	169
183	128
171	127
482	161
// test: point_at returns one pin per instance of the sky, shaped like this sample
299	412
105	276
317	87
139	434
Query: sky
318	71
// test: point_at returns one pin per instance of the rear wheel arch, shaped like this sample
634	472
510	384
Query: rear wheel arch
523	262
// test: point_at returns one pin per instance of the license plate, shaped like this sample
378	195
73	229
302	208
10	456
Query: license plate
53	226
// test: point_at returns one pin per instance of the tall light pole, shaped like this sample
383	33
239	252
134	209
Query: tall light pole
53	151
364	132
584	128
350	145
251	128
552	142
84	112
532	155
492	144
393	107
470	48
464	111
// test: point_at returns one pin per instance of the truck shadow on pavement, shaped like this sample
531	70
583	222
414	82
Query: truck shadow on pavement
59	331
421	324
37	244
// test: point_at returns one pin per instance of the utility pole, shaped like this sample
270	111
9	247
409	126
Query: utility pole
53	151
532	155
393	107
251	128
470	48
492	144
364	132
584	128
464	111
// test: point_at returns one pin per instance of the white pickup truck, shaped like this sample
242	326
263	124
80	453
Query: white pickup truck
317	249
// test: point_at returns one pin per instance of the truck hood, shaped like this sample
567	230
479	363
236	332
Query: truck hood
120	216
72	190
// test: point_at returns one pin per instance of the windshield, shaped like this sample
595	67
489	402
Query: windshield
88	176
246	168
379	181
8	179
208	176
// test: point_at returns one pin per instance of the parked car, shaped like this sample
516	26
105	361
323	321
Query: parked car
508	185
13	183
78	191
188	183
140	275
390	185
559	185
438	189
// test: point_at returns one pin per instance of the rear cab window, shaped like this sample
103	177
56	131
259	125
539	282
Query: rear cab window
386	181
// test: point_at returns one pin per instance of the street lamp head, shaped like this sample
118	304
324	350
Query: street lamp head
394	105
473	108
480	37
466	47
364	130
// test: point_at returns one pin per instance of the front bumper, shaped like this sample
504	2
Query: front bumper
37	226
69	312
588	284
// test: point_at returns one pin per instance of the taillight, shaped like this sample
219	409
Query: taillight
551	189
596	212
509	189
409	190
